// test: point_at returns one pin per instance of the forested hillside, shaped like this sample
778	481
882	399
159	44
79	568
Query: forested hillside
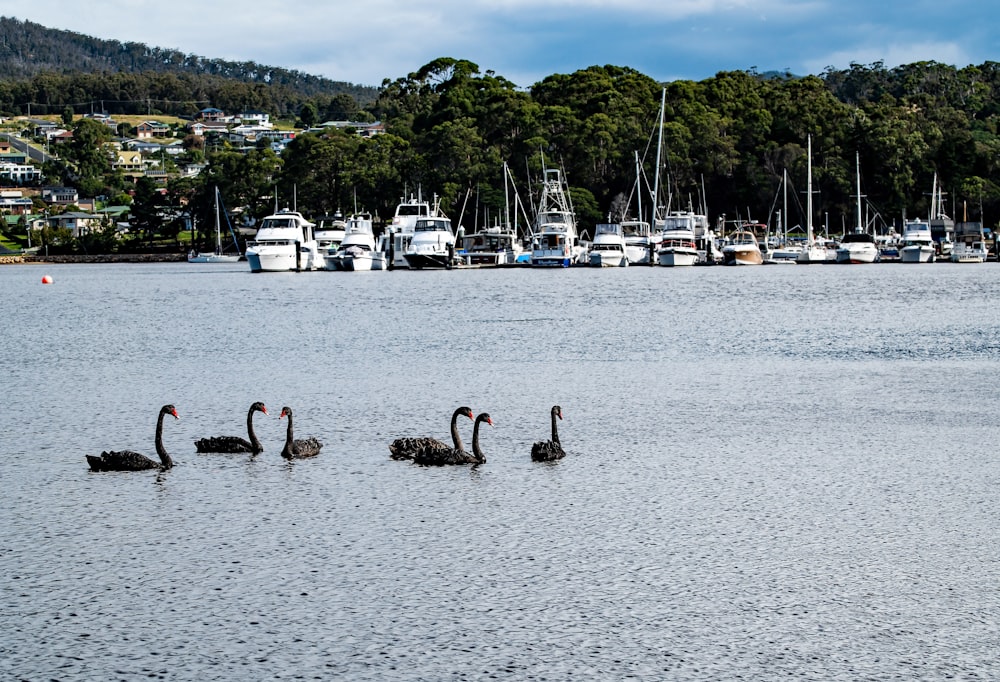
28	50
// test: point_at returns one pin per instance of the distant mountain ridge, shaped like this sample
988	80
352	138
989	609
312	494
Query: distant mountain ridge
28	49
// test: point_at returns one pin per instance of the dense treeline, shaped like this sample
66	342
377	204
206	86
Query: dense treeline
451	128
28	50
728	140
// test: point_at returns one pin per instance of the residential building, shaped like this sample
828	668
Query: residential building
149	129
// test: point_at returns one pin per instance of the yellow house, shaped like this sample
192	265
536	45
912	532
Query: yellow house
129	163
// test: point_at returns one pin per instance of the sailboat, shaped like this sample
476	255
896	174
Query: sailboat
811	252
217	256
858	246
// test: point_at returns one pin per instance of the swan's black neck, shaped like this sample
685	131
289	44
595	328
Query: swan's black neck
477	452
254	442
455	438
555	429
289	436
165	460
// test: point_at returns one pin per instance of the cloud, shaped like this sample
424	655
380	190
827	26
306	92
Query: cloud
527	40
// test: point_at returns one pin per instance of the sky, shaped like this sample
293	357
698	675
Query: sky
365	42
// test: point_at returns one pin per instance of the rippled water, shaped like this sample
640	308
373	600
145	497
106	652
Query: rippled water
772	472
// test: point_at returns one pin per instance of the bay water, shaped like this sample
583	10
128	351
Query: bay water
771	472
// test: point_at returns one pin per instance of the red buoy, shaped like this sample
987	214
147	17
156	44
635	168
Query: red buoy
46	279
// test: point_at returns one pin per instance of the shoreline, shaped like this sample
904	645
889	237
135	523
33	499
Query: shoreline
29	259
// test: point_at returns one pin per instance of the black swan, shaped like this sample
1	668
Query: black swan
433	456
406	448
297	449
548	450
235	443
127	460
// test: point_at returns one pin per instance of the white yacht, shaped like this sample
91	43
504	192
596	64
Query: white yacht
678	246
858	247
608	248
357	251
284	242
329	232
970	244
640	242
742	248
395	239
432	245
918	244
556	242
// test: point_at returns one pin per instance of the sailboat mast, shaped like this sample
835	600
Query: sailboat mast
218	229
784	208
809	197
506	196
857	166
638	185
656	175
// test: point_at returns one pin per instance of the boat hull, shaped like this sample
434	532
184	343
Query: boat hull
271	261
857	256
742	257
916	254
428	261
363	262
213	258
608	259
675	258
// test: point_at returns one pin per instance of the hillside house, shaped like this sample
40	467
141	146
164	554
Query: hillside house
18	173
77	222
203	127
13	202
212	115
150	129
129	163
59	196
255	118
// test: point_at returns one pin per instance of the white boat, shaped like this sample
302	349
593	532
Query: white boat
640	242
918	244
859	246
678	247
357	251
608	250
490	247
284	242
432	245
742	248
970	244
500	244
811	252
555	242
395	239
329	232
217	256
942	227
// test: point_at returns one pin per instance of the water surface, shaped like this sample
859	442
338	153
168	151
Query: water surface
772	472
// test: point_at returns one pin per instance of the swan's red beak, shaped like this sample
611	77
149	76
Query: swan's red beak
489	420
264	410
174	412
